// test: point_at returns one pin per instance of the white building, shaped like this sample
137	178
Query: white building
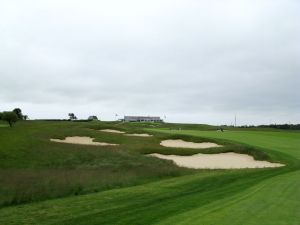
142	119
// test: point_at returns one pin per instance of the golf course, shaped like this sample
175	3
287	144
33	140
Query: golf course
149	112
76	172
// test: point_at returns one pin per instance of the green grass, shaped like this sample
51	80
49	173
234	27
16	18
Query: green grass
158	192
3	124
33	168
287	142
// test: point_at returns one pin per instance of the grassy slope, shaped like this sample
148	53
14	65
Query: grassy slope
287	142
274	201
33	168
168	200
213	197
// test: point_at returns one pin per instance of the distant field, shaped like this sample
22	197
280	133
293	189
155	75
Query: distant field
135	189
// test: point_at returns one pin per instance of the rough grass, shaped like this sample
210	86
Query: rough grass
249	196
3	124
33	168
198	199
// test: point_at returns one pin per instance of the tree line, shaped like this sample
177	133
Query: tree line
277	126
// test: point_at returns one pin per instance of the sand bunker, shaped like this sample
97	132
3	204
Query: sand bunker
229	160
122	132
185	144
113	131
82	141
139	135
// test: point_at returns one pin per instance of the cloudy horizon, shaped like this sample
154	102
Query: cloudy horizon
191	61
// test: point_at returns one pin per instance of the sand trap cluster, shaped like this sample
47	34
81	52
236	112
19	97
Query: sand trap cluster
229	160
185	144
82	141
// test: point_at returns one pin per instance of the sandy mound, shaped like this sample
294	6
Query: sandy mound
229	160
122	132
82	141
139	135
113	131
185	144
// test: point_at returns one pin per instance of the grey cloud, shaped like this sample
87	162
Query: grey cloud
196	61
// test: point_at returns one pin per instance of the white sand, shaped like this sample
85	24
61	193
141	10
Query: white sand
122	132
82	141
139	135
185	144
229	160
113	131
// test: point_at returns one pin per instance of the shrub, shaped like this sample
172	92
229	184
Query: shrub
10	117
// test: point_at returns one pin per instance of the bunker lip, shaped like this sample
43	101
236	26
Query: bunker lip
82	141
139	135
124	133
228	160
112	131
178	143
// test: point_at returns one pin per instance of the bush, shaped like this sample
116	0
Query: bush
19	114
10	117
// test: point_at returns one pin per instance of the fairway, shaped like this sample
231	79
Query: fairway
155	191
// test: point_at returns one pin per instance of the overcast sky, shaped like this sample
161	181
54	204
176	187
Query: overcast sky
191	60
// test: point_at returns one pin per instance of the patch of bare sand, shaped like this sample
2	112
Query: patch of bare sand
82	141
139	135
122	132
113	131
185	144
228	160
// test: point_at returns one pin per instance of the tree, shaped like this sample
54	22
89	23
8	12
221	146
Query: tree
18	112
0	115
92	118
10	117
72	116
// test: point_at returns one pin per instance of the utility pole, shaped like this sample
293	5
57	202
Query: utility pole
235	120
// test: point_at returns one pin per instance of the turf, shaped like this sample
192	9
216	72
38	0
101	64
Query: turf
263	196
33	168
3	124
287	142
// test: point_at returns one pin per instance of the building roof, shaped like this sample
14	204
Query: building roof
142	117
